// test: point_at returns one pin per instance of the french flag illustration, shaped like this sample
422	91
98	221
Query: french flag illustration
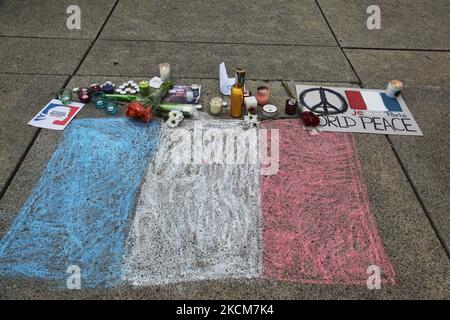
372	100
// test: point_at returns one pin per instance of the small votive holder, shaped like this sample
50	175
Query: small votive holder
112	106
164	71
263	95
98	99
189	96
65	96
215	105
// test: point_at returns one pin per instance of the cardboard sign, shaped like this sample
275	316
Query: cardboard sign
366	111
55	115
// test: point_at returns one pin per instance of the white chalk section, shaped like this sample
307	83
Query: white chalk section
195	221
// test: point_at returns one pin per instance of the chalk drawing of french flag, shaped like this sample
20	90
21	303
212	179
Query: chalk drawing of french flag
114	202
372	100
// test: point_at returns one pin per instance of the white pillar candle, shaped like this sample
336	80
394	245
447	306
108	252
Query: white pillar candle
251	104
164	71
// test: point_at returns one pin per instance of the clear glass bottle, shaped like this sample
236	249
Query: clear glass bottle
237	94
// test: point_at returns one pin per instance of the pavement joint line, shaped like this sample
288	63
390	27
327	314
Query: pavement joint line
396	49
217	78
174	77
220	43
172	41
419	198
44	38
36	74
36	134
337	42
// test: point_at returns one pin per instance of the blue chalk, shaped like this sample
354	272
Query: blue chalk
79	211
391	104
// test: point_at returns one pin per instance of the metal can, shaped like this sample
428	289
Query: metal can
290	107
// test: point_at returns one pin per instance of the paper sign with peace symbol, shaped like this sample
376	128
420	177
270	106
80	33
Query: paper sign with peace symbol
323	101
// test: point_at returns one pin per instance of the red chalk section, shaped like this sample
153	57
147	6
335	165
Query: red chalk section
318	227
355	100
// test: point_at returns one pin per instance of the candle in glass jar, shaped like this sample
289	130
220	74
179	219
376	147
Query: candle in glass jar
263	95
164	71
394	88
215	105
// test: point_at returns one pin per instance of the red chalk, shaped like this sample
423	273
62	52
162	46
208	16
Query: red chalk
318	227
355	100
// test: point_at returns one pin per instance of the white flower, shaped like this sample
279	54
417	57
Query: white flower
250	121
252	117
172	122
175	114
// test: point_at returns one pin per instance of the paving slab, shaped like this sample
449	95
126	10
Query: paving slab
405	24
412	67
37	18
295	22
43	56
422	268
21	97
200	60
424	158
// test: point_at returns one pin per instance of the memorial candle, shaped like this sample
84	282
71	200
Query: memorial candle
164	71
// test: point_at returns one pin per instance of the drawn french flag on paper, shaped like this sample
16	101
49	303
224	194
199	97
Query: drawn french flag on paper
372	100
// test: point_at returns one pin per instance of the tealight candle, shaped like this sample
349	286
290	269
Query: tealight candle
65	96
215	105
100	104
98	99
164	71
111	106
269	110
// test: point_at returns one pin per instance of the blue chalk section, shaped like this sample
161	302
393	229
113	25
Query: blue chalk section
79	211
391	104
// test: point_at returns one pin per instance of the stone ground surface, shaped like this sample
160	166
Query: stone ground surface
323	41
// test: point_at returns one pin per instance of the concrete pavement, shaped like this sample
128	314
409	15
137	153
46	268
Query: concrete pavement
323	41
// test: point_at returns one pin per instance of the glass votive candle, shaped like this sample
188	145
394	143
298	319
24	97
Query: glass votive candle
98	99
189	96
164	71
215	105
394	88
112	106
263	95
84	94
65	96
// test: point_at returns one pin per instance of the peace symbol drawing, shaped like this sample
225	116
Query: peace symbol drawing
323	101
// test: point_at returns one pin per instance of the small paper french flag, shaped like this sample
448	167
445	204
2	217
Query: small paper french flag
372	100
